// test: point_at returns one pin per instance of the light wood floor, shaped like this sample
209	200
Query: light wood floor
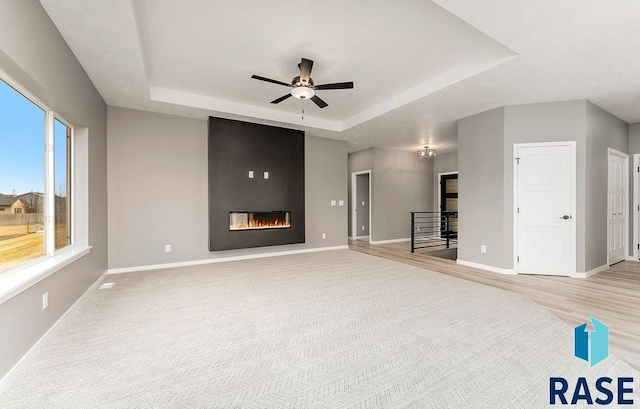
612	296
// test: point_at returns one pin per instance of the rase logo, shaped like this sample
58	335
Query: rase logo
594	348
599	342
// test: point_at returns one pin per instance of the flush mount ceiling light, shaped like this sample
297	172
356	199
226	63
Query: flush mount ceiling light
426	152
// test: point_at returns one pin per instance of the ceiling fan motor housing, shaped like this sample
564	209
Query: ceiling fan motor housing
296	82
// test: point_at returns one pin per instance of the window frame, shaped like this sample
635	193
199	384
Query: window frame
49	181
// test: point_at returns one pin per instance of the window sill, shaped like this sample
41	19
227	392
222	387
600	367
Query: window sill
14	282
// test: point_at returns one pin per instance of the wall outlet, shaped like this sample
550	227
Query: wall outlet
167	248
250	174
483	249
363	202
333	203
324	236
362	228
266	175
45	300
341	203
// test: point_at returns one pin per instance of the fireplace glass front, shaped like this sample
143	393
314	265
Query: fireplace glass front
244	220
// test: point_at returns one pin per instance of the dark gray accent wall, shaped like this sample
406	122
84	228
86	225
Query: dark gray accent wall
33	52
158	191
235	149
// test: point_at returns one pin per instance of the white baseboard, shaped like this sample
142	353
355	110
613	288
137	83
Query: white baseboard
349	237
10	376
590	272
485	267
220	260
362	237
632	258
389	241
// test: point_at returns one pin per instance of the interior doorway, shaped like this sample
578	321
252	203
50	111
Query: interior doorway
544	208
361	205
618	206
448	202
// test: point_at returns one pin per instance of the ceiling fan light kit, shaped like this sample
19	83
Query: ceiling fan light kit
303	87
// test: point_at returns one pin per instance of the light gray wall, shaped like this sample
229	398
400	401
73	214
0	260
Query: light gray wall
401	183
362	193
545	122
442	163
593	129
325	167
357	162
604	131
481	185
158	190
634	148
33	52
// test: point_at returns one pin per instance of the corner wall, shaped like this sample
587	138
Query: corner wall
158	191
484	136
481	186
33	52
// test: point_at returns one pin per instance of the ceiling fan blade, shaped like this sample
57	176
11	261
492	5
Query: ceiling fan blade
257	77
305	67
319	102
279	100
336	85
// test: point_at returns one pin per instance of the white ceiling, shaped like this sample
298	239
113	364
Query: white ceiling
418	66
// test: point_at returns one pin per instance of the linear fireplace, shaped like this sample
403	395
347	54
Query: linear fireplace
256	185
278	219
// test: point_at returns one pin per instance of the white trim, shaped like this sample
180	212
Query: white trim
362	237
349	237
439	188
10	376
573	166
485	267
354	203
136	269
590	272
632	258
636	207
622	155
389	241
19	279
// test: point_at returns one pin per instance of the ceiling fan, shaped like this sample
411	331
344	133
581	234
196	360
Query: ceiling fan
303	86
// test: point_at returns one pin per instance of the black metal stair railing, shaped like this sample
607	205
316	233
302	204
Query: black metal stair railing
434	230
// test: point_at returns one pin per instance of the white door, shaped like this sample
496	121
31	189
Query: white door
617	208
544	198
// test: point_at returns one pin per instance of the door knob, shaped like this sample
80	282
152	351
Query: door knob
566	217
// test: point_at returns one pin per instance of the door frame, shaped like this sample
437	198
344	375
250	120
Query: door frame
572	179
636	206
625	172
354	204
439	189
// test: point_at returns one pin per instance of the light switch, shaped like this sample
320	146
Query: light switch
250	174
333	203
341	203
266	175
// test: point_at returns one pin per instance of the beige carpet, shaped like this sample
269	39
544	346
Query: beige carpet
336	329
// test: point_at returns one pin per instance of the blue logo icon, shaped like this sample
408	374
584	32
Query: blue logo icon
598	345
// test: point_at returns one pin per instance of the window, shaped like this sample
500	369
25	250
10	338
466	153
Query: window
35	164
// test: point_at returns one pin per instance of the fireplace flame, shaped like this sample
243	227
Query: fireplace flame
260	224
